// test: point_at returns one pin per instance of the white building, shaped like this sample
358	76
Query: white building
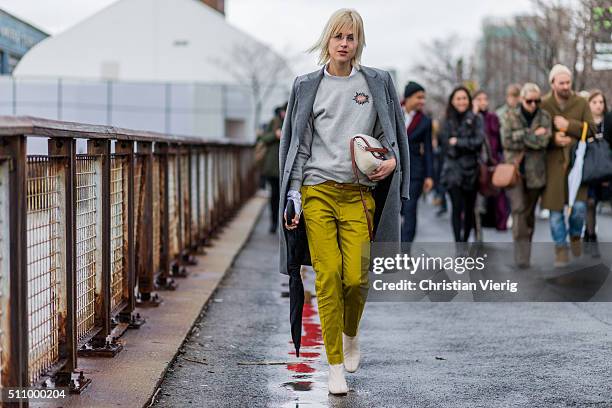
145	64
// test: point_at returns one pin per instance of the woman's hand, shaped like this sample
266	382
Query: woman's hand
294	224
561	139
561	123
428	185
452	141
383	170
541	131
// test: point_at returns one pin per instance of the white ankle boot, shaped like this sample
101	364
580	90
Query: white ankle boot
336	383
351	352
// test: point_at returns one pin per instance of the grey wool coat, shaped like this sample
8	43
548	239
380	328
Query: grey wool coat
387	194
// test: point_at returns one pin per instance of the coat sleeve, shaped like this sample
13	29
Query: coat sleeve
402	142
495	131
536	142
575	126
303	154
443	136
428	151
286	133
512	133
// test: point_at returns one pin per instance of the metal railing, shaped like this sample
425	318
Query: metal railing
86	238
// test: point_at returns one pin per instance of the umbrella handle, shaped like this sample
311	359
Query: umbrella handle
585	128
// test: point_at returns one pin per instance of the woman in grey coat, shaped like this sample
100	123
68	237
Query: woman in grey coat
326	108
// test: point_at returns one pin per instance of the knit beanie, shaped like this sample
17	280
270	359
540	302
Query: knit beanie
412	88
558	69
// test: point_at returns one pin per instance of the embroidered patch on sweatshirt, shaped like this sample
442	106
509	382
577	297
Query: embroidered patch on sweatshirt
361	98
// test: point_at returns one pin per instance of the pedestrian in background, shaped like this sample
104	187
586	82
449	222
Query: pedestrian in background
599	108
496	207
512	100
526	133
461	137
326	109
271	139
418	131
569	112
438	159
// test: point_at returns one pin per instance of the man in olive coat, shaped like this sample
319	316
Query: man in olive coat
569	111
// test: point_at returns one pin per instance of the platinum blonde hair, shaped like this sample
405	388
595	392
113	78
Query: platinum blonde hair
340	19
529	87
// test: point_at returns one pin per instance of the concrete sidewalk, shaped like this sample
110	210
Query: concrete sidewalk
131	378
414	354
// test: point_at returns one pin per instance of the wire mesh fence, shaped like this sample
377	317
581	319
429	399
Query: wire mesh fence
87	242
45	265
173	207
88	232
118	206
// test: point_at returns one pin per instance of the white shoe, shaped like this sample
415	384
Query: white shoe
351	352
336	383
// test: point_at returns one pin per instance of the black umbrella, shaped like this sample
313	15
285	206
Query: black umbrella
297	255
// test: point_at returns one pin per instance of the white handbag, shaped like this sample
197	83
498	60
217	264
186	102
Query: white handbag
367	153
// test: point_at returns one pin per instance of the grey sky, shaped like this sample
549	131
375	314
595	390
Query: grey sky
395	29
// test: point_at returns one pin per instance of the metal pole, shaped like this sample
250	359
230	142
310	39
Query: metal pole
99	343
144	235
15	358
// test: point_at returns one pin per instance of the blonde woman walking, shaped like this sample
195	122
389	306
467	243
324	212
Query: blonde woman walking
326	109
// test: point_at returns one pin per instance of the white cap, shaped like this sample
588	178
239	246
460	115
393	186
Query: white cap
558	69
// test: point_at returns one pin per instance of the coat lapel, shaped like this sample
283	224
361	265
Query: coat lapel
381	102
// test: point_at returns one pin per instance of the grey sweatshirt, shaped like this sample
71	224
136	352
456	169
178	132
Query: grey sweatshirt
342	108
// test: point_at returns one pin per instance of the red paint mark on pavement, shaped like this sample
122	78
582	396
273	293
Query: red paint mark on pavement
306	354
300	368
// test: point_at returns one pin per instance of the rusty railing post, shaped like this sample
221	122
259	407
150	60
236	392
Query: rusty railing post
65	377
125	148
184	177
100	345
164	281
15	308
144	234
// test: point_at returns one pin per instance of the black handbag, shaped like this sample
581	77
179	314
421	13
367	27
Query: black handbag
597	160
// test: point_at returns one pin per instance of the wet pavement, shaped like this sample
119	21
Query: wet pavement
239	353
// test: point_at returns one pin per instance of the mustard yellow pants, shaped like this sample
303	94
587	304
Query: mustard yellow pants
338	240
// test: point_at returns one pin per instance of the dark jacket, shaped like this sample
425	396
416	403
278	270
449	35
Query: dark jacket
492	128
387	194
607	124
461	165
270	161
419	145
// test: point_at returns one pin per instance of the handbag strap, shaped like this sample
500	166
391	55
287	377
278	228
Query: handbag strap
518	159
373	150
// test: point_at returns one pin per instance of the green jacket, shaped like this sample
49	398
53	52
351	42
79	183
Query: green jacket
577	111
270	161
517	137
